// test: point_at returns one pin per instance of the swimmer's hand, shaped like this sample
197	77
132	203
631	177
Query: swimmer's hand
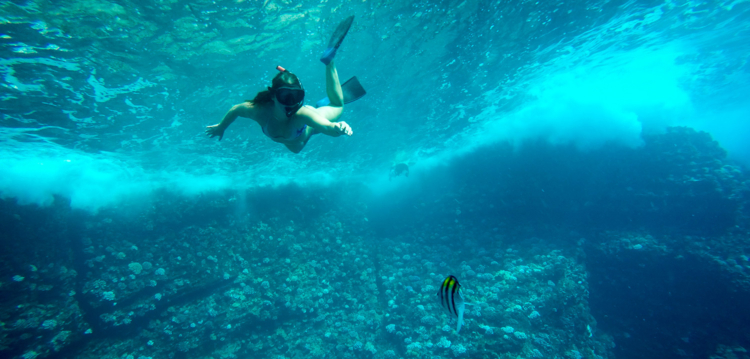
343	128
215	130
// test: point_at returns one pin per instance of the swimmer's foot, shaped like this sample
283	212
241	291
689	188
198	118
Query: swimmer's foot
336	39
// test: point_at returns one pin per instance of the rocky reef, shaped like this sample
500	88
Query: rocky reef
616	250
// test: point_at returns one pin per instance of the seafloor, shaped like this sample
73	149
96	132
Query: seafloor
613	253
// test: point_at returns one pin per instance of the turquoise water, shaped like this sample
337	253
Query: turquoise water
561	141
116	96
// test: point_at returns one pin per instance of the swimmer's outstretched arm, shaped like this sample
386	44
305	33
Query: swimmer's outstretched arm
244	109
322	125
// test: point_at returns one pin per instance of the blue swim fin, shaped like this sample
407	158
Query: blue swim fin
352	90
336	39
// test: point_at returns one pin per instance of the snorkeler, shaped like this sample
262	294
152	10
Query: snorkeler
399	169
280	110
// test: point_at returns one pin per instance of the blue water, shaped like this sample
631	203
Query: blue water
584	161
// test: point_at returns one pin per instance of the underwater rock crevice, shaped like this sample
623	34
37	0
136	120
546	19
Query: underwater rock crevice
655	301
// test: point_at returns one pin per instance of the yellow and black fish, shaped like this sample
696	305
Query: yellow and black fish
452	299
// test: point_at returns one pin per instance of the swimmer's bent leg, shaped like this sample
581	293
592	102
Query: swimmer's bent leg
333	111
333	86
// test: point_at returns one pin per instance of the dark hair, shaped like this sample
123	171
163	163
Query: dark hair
281	79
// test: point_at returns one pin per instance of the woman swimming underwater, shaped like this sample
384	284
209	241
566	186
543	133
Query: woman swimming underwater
280	110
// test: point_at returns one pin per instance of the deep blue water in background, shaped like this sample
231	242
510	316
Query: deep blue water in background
584	161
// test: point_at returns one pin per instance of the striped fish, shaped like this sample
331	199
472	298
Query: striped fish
452	299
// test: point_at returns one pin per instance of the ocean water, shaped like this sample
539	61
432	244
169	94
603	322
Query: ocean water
580	167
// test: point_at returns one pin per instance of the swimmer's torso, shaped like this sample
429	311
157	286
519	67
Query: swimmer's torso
291	130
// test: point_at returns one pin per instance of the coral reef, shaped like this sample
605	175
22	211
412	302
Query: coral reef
202	278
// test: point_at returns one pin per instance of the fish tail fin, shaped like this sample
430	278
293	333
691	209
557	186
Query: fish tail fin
460	319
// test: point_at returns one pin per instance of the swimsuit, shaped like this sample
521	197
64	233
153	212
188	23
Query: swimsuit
296	133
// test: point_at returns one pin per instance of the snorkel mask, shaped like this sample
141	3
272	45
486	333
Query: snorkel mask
291	97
